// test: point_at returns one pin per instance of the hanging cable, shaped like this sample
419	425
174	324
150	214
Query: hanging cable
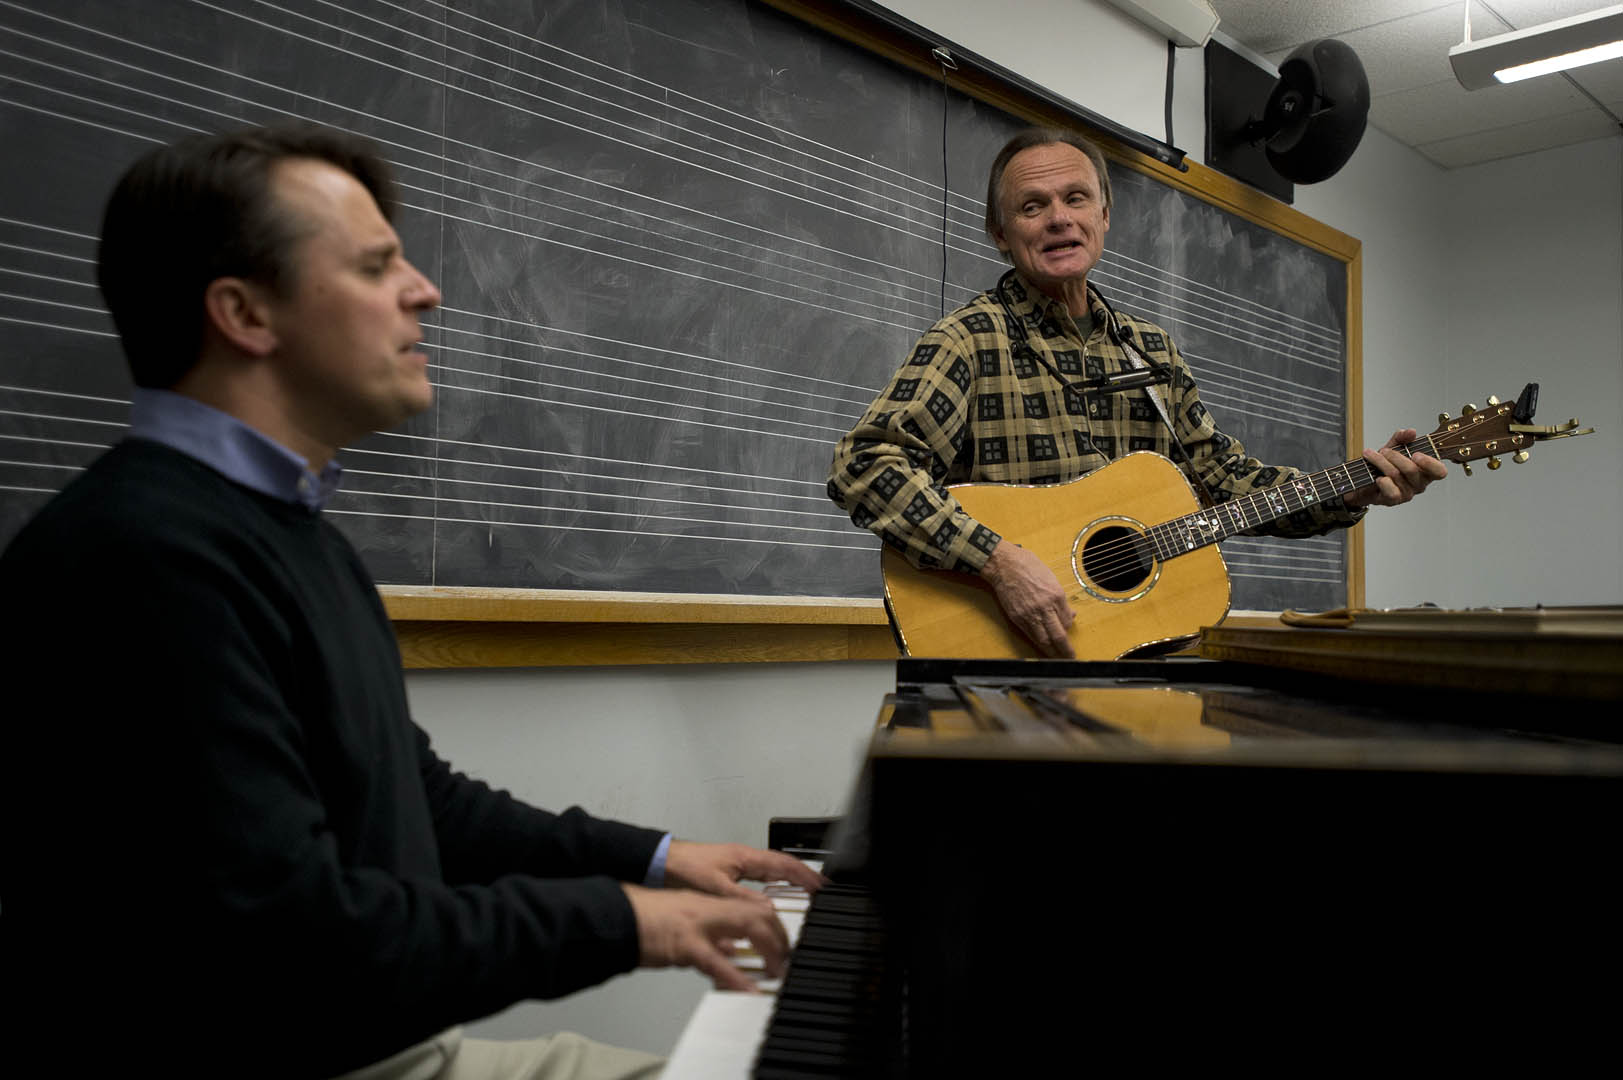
947	63
1172	59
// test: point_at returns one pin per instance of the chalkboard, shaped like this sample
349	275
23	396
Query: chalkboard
681	244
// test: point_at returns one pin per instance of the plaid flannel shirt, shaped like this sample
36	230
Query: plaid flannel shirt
976	402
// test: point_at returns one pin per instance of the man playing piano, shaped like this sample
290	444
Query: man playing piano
990	393
231	852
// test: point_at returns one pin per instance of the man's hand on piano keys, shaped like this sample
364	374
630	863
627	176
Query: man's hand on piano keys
718	868
682	928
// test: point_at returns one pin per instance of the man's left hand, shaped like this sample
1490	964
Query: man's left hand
1399	477
718	868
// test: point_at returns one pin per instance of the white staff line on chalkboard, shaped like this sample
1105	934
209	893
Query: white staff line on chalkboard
1315	578
817	484
774	189
550	471
1177	313
1174	320
41	465
565	387
48	228
57	326
1204	315
1228	400
42	251
1286	552
399	70
79	120
668	90
64	419
47	277
34	490
599	216
576	493
93	101
1214	368
813	280
1238	377
56	442
824	410
1324	410
51	303
1236	408
665	269
816	395
646	416
595	529
1162	299
1243	302
232	117
644	196
510	69
661	349
1284	564
64	393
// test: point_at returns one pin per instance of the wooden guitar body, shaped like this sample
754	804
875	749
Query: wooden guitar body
1080	530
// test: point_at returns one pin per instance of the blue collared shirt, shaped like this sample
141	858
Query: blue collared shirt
260	463
231	448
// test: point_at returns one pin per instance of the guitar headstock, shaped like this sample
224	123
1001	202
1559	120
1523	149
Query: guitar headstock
1500	428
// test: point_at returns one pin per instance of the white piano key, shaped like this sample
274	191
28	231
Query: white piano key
721	1037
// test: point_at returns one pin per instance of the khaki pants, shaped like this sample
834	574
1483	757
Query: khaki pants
565	1056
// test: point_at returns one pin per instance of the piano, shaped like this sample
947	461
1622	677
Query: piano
1177	861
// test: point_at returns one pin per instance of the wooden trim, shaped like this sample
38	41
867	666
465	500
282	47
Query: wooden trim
492	628
462	604
1355	415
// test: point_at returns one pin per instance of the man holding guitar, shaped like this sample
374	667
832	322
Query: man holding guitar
1038	381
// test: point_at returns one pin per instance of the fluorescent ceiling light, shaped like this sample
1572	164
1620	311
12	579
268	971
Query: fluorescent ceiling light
1539	50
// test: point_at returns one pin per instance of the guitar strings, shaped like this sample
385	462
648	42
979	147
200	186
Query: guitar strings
1116	556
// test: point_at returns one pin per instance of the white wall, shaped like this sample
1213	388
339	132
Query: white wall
1475	281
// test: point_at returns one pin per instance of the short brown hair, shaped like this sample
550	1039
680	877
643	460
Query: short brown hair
1025	140
201	209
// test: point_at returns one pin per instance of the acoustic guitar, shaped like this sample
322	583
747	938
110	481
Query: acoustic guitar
1135	550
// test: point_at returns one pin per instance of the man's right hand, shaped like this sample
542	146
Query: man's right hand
682	928
1031	597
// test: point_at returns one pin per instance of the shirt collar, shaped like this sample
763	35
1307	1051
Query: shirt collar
231	448
1035	307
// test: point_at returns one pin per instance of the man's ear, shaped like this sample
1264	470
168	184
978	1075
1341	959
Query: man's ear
997	238
239	311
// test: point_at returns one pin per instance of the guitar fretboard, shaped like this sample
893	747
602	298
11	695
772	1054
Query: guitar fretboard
1213	524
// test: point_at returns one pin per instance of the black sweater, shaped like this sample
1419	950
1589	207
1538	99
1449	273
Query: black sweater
221	819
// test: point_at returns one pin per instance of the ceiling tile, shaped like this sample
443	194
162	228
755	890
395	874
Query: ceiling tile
1524	138
1270	26
1446	109
1604	81
1403	53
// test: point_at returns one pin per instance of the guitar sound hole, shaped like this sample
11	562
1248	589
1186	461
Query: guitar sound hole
1117	559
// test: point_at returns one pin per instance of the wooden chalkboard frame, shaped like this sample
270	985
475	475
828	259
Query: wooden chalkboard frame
472	627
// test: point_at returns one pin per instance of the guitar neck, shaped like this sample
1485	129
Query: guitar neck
1217	523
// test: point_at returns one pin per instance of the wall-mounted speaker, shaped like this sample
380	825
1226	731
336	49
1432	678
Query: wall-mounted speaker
1299	127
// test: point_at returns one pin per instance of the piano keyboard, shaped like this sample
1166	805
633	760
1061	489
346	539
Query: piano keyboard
821	1019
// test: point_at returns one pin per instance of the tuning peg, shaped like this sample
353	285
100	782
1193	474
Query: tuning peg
1466	465
1442	418
1492	400
1468	410
1494	463
1520	456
